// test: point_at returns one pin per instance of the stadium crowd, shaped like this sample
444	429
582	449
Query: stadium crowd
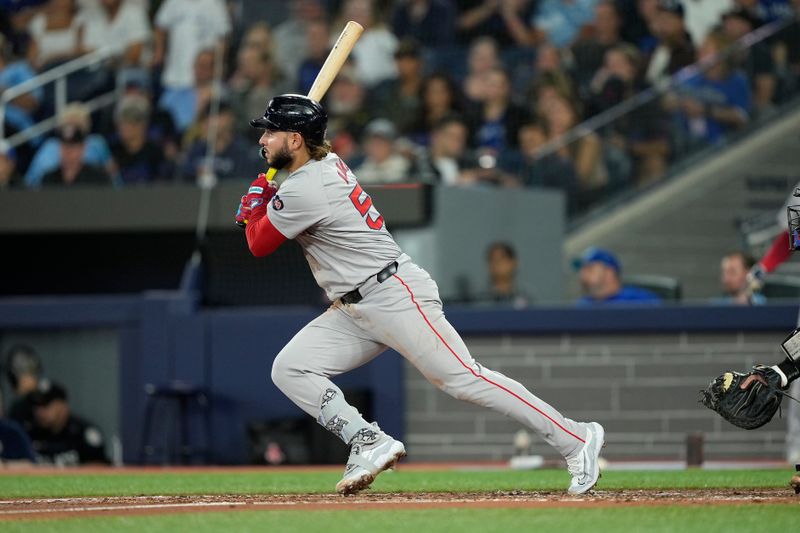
440	91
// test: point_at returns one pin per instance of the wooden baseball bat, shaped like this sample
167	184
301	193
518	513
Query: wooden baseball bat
333	64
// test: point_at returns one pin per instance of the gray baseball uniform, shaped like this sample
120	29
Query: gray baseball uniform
346	242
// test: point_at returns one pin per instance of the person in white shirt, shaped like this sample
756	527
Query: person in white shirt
182	29
374	51
56	34
121	24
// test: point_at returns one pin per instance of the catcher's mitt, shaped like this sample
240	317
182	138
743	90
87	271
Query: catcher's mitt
745	400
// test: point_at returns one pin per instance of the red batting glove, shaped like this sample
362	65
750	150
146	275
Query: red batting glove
254	204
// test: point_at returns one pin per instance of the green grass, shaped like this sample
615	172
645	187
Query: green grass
276	481
594	520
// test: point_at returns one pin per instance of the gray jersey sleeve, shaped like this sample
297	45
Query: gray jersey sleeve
298	205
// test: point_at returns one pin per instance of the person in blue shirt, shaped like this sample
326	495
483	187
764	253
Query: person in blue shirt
733	278
716	102
48	157
599	272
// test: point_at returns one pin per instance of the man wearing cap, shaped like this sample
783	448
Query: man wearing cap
599	272
140	160
72	169
383	164
675	49
60	437
398	99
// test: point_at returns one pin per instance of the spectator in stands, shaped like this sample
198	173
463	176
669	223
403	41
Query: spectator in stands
643	132
184	105
439	97
15	16
536	169
551	66
503	287
482	59
48	156
564	22
446	155
599	272
638	18
702	17
675	49
318	39
500	118
733	279
259	36
19	112
715	102
547	87
506	21
24	372
233	157
756	61
72	167
60	437
9	177
178	40
257	82
588	53
374	51
767	10
787	54
347	112
139	159
585	153
429	22
383	163
399	99
14	71
290	41
57	34
15	445
122	24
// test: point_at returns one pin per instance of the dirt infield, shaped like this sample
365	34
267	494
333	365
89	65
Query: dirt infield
53	508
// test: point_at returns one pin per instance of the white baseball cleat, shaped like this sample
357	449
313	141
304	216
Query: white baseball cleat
584	465
371	452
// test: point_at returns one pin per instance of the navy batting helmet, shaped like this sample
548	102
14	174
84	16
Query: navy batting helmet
295	112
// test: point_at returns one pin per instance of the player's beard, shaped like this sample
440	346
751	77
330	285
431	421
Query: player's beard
282	158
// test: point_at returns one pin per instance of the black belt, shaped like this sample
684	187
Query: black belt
353	297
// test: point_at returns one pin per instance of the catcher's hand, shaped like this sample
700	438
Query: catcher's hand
745	400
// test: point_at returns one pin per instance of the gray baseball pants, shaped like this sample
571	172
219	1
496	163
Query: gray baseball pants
404	313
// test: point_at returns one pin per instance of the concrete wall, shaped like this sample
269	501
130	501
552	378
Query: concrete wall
642	387
465	221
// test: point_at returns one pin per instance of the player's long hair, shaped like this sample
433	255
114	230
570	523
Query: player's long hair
318	151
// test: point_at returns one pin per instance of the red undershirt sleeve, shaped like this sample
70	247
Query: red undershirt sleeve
262	237
777	253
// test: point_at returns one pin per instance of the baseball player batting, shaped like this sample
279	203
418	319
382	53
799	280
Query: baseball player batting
381	300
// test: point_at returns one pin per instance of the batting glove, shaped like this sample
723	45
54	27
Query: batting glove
254	203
